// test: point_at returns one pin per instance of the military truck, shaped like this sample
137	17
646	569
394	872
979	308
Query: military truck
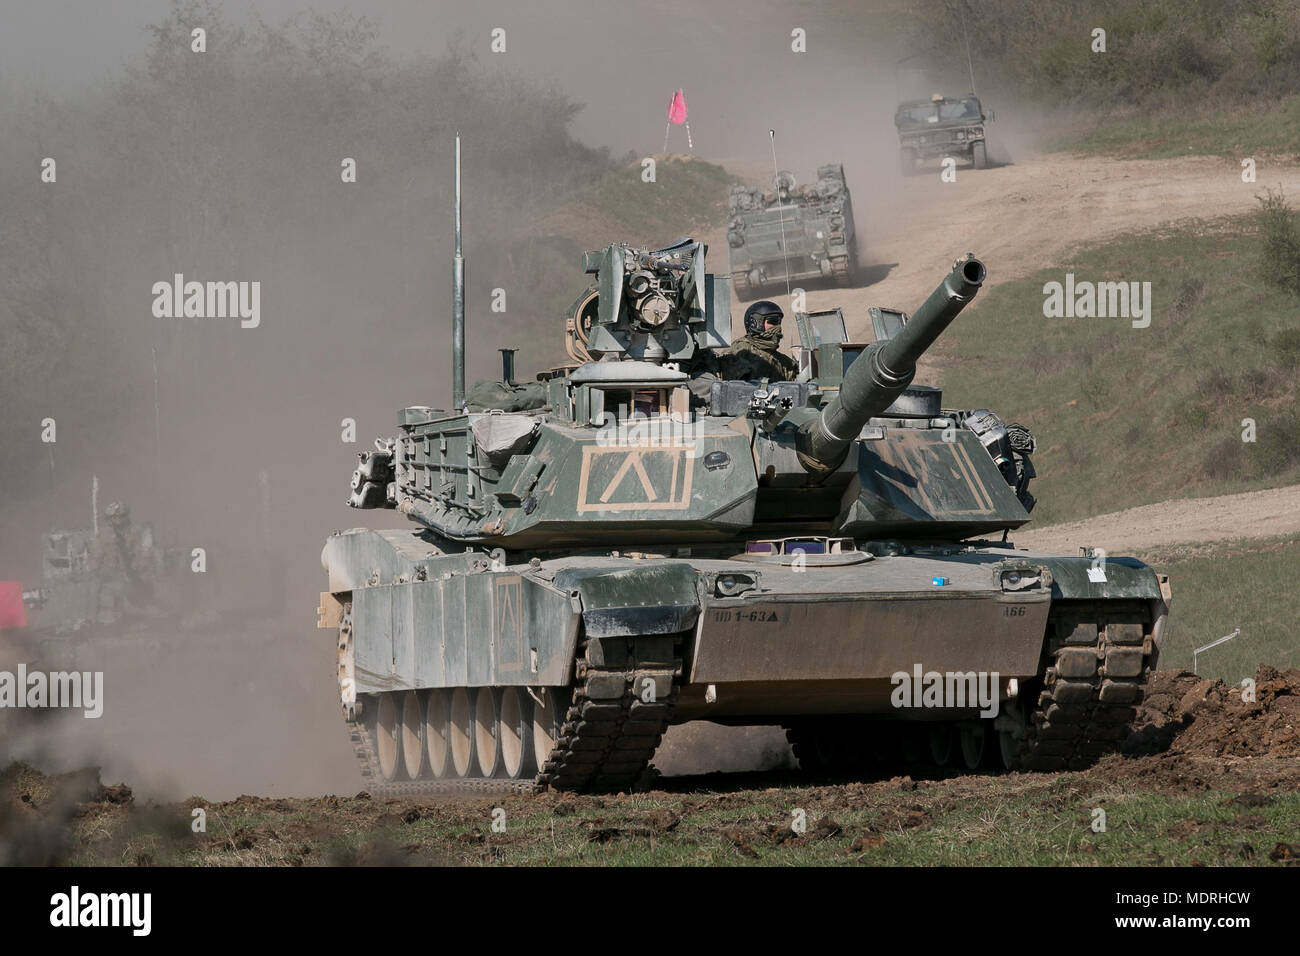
939	127
620	556
803	232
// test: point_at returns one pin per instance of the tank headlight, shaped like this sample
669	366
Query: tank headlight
732	584
1024	579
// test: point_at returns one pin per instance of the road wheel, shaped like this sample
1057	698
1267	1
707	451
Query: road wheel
812	747
388	737
461	737
976	744
487	736
546	724
413	735
943	744
979	157
1010	738
437	718
516	734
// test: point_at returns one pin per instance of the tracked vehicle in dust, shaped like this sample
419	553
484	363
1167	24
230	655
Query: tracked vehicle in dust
792	232
647	545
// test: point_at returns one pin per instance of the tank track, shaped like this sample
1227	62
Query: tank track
1098	656
607	738
840	271
615	722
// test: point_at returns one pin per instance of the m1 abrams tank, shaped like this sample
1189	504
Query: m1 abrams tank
626	555
805	232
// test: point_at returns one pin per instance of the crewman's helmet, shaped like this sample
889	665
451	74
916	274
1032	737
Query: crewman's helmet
758	315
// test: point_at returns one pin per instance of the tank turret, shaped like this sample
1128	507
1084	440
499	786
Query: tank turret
881	373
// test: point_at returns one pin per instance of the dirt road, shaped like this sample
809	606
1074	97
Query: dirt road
1254	514
1023	217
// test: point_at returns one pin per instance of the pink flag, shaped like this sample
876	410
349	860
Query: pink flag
12	612
677	108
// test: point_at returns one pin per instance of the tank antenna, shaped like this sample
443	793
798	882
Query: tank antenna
785	256
458	306
969	65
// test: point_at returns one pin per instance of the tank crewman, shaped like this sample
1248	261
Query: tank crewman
757	355
118	564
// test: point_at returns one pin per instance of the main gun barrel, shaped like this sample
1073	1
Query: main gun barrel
878	376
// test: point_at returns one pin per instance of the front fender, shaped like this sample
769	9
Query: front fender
641	598
1111	578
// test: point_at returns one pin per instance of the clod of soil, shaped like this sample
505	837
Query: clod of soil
741	843
1186	714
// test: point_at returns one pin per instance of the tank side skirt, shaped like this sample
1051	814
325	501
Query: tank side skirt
487	628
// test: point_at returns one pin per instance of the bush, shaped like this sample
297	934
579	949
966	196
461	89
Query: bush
1273	455
1280	236
1167	52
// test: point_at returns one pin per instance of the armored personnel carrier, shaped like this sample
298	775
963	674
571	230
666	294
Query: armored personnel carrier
939	127
647	545
90	578
117	587
806	232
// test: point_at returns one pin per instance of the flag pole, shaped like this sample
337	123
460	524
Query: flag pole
689	143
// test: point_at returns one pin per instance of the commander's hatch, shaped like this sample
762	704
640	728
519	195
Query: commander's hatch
886	323
824	341
815	330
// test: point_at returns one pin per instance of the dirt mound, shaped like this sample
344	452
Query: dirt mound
1186	714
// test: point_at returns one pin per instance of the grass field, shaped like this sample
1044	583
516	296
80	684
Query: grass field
977	820
1222	587
1260	129
1129	416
